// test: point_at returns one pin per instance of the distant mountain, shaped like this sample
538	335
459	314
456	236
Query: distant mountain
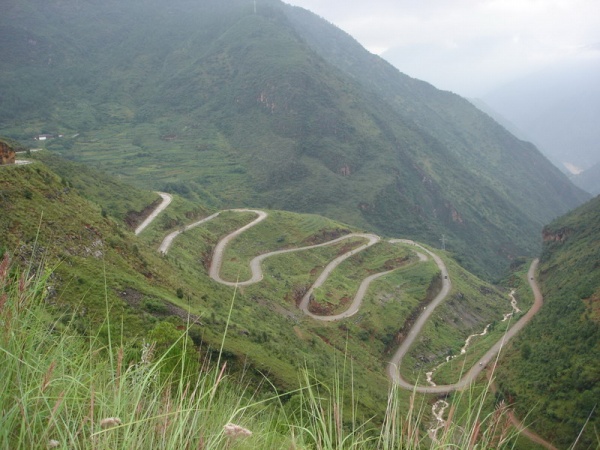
589	180
552	371
559	108
277	109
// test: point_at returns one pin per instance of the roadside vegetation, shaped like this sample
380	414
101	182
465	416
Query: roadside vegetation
62	389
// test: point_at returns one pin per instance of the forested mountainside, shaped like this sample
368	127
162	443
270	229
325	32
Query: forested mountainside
275	109
552	371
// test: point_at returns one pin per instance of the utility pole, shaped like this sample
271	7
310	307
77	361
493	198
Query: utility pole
443	239
254	6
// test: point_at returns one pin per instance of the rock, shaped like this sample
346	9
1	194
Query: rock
556	236
7	154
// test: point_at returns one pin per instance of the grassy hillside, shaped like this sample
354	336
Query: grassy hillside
552	369
276	109
108	282
63	390
47	223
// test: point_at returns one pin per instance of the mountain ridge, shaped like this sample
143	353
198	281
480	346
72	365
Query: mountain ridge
589	179
558	108
258	114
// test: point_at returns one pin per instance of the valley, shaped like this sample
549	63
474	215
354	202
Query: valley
245	191
231	256
304	305
279	110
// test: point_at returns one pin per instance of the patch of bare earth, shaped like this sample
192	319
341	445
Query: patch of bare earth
325	236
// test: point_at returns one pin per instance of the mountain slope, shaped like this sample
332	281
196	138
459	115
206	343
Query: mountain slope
100	268
275	109
49	222
552	370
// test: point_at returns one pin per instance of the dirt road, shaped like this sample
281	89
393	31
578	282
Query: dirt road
489	357
396	361
168	240
167	199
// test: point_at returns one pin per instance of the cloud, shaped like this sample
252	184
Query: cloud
492	40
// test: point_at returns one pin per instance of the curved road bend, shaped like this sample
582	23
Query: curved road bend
355	306
362	289
256	262
168	240
394	366
166	201
217	258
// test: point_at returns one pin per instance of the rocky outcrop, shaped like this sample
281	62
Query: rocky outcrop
7	154
556	235
345	171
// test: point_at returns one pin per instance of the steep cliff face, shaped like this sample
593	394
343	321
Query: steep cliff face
7	154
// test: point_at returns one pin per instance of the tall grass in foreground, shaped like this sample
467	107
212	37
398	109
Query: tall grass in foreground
61	390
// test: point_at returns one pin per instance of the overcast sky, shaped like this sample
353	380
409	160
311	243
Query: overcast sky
468	46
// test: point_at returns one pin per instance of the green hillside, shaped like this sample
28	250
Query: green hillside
60	217
552	370
47	223
276	109
61	389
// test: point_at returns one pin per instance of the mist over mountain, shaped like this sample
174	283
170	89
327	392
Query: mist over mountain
589	180
558	108
272	108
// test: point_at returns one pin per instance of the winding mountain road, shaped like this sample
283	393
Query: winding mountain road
469	377
396	361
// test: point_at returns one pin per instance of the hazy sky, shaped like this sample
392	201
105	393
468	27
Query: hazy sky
468	46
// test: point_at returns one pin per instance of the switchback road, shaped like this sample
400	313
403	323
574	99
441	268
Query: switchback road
371	239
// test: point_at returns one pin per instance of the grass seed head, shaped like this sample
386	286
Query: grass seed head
4	267
110	422
234	431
